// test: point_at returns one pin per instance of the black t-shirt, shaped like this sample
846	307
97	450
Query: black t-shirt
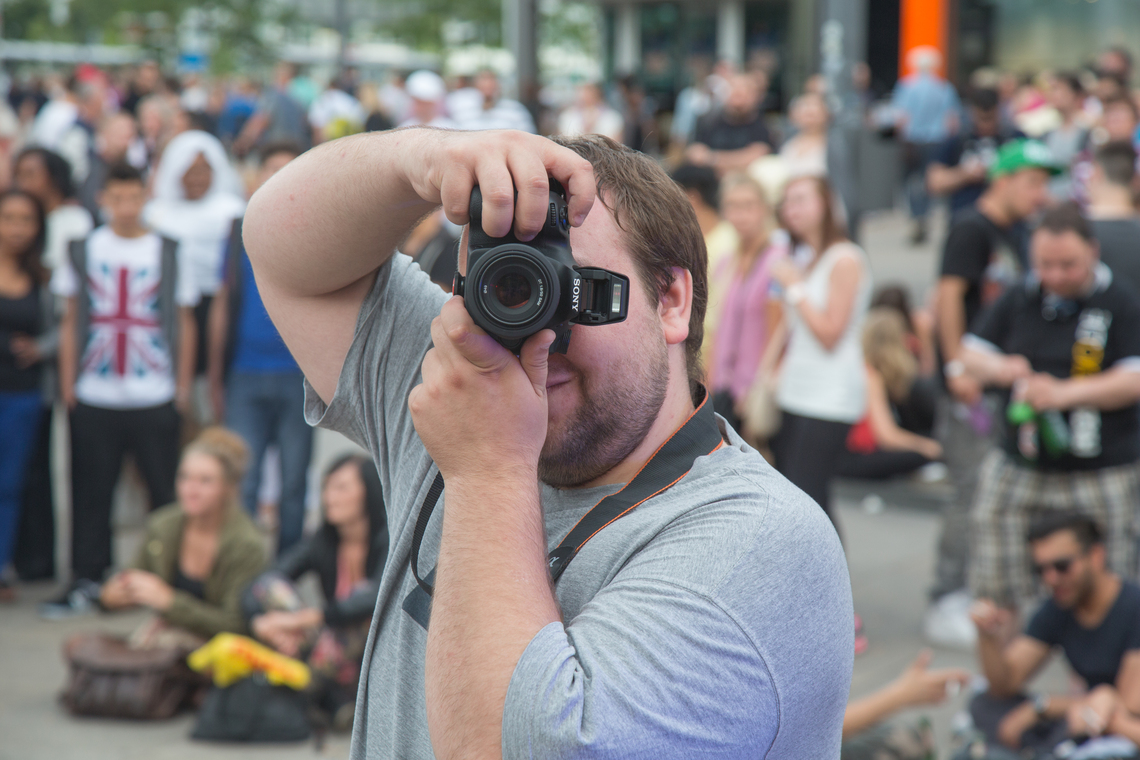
1120	247
966	148
1094	653
988	257
718	133
1099	331
18	316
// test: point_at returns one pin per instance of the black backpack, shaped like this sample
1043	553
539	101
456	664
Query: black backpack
253	710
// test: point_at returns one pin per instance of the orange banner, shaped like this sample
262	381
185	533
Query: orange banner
922	22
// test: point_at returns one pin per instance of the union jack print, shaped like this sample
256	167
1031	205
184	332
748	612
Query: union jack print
126	338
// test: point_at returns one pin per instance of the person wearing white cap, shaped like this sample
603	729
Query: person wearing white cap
427	91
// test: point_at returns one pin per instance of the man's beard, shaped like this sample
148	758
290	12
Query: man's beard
611	422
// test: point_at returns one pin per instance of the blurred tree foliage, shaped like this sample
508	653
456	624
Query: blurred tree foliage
429	25
421	23
151	24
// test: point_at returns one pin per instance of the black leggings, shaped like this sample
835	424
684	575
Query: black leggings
807	452
878	465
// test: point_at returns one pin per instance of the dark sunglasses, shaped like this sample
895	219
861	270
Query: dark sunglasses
1061	566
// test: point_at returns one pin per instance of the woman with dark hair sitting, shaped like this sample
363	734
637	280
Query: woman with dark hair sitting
347	553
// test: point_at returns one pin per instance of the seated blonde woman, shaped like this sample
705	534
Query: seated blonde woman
200	553
893	438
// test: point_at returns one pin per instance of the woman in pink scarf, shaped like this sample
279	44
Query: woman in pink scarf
746	318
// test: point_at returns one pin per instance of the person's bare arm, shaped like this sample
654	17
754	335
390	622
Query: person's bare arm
917	685
951	326
1128	682
68	354
1125	721
923	321
250	133
774	318
319	229
1115	388
187	357
725	161
829	324
1007	666
943	180
888	434
951	320
993	368
217	330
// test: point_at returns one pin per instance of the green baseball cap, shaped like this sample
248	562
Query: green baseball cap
1024	154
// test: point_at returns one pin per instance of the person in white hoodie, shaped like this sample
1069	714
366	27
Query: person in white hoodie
197	197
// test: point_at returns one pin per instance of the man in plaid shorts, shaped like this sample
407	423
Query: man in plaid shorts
1066	345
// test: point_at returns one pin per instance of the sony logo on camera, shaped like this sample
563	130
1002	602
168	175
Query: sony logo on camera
575	294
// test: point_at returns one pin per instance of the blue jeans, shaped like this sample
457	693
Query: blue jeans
19	421
917	157
270	408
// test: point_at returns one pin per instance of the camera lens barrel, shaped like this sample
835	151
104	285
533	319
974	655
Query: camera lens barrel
515	290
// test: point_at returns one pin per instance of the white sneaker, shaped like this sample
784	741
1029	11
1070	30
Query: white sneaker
934	472
947	623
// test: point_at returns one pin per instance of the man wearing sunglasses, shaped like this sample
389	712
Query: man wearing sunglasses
1092	615
1064	344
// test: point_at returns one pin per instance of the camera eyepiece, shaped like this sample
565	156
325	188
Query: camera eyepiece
514	289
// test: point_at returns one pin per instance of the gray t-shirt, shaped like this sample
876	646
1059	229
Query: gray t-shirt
714	620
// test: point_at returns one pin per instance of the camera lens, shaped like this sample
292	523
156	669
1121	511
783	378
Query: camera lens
512	289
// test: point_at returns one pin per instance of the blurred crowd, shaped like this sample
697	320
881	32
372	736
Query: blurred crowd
129	311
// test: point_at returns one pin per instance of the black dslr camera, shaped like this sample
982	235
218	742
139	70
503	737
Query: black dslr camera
514	289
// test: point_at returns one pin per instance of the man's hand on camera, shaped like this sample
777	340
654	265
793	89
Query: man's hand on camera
449	164
480	411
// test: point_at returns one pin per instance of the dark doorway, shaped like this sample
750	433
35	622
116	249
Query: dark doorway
883	44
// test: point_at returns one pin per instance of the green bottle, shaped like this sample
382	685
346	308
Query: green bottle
1020	412
1054	433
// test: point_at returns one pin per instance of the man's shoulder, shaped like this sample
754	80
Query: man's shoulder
1130	597
1120	297
970	218
737	503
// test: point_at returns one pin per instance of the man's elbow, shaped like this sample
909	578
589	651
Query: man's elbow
1000	689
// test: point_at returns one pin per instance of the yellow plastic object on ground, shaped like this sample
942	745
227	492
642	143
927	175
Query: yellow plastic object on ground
231	658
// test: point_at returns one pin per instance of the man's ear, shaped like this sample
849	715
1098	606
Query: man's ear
675	305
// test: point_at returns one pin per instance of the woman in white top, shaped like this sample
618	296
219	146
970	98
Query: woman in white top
197	196
822	390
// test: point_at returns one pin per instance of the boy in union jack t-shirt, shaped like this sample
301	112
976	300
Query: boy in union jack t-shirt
127	344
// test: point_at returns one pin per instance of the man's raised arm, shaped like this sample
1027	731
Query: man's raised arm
320	228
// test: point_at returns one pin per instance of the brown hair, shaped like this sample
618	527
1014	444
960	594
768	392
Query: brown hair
225	446
1067	217
1118	162
658	225
885	350
833	230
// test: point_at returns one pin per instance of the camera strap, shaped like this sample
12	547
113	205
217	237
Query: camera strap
698	436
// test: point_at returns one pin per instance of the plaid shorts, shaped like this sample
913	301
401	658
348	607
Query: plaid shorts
1009	497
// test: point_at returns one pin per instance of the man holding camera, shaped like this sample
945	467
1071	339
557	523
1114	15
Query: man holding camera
711	618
